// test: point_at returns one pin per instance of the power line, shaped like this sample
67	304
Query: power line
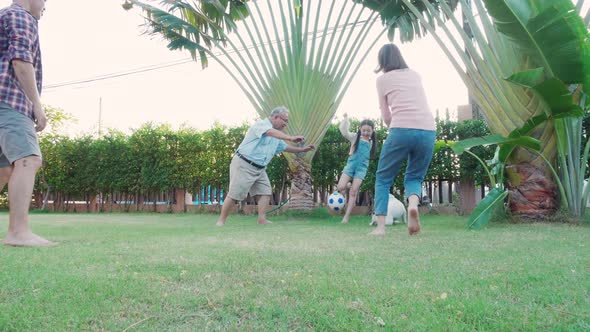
52	87
119	74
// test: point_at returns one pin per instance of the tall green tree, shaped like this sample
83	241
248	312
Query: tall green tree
300	54
57	119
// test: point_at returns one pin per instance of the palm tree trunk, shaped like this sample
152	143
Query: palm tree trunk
301	189
532	193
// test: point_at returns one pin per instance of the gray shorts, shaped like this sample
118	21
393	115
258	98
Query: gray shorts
18	138
244	178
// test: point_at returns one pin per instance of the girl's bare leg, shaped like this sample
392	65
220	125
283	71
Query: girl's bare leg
351	202
344	180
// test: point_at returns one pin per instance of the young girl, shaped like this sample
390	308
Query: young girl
361	150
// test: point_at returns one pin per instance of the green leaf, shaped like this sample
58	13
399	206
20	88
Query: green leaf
439	144
196	26
553	91
525	141
483	211
549	31
238	10
559	98
506	144
528	78
514	142
461	146
528	126
396	16
297	5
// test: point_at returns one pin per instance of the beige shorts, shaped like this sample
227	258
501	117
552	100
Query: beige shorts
244	178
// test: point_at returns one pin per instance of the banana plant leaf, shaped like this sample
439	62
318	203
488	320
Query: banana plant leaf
482	213
550	32
521	141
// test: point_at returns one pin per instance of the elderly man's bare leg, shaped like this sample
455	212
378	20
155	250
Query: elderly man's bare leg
228	204
262	208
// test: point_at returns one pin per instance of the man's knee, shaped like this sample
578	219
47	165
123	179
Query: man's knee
30	162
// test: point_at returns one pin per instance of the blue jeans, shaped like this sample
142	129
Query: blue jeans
415	145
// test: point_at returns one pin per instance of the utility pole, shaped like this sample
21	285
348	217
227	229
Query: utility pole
99	116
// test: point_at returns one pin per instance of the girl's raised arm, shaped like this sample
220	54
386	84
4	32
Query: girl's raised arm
344	129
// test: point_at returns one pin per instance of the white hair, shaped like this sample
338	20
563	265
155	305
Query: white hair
279	110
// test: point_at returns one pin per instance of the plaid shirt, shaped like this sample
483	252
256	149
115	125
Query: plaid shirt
19	39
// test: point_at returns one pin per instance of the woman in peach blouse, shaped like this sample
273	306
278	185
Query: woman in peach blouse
411	137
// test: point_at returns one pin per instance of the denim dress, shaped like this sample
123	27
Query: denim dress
358	163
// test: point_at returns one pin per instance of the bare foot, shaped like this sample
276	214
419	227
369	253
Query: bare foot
379	231
345	220
264	222
413	221
220	223
28	239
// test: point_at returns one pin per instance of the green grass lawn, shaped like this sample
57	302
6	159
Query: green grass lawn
148	272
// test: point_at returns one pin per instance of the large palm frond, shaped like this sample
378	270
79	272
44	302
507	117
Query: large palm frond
396	15
194	26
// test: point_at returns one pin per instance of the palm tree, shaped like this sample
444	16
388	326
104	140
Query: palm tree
542	46
303	55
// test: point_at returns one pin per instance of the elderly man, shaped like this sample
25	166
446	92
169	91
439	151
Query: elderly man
21	114
247	172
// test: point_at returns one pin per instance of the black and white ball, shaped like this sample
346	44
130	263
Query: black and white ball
336	202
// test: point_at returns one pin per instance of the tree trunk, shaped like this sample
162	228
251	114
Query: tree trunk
46	199
285	194
532	194
466	195
483	191
301	189
450	191
38	197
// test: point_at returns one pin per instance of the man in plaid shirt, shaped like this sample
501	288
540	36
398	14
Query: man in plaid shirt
21	114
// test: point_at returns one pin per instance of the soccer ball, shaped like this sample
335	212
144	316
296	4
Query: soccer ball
336	202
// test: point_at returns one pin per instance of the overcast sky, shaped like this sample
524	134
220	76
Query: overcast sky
87	39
